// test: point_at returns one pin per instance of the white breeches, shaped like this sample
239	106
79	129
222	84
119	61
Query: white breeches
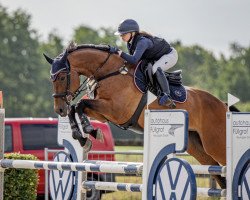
166	61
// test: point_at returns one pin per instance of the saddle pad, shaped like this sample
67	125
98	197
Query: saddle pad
177	92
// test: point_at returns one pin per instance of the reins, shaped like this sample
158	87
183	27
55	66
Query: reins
81	88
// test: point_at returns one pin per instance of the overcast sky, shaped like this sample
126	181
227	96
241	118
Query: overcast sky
213	24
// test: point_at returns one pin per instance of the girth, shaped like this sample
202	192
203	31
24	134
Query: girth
132	123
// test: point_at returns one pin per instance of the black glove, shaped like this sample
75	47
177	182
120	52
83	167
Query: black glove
113	50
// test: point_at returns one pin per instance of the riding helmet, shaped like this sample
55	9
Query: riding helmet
127	26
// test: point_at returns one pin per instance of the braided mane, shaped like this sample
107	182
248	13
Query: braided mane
73	47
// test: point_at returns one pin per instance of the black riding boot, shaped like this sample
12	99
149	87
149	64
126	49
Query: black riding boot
164	97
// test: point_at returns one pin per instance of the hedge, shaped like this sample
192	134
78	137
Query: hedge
20	183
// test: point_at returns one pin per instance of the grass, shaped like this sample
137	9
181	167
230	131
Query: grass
201	182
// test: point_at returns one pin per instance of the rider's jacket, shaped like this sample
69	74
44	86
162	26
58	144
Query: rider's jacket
158	49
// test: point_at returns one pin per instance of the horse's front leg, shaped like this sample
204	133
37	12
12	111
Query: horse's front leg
86	125
85	142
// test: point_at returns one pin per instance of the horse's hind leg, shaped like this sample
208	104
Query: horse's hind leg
76	133
196	149
86	125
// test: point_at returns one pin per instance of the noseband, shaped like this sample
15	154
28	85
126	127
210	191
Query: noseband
68	96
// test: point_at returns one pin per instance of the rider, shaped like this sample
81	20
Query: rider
143	46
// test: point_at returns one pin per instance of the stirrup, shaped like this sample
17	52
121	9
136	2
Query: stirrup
170	103
165	100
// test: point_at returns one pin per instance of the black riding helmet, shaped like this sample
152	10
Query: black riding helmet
127	26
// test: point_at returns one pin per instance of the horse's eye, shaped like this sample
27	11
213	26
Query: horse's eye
62	78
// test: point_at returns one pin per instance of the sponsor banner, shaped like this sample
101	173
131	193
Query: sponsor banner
165	132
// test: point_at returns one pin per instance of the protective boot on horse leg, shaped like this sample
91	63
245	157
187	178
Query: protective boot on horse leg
76	132
86	125
164	96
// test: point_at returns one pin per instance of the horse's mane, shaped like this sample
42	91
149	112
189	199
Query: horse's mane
73	47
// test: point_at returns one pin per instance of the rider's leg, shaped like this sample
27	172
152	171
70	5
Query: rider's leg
164	97
166	62
163	64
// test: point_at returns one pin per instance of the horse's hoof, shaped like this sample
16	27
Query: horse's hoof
82	141
88	145
99	135
88	129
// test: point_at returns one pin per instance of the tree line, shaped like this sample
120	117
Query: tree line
24	73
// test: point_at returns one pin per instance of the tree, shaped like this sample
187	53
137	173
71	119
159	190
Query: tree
87	35
52	47
198	65
237	72
217	75
24	73
20	64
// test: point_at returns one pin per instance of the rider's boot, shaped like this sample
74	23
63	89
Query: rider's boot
164	97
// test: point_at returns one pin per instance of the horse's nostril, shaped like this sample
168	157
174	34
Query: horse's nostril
61	110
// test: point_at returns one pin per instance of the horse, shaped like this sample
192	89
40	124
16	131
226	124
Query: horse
116	99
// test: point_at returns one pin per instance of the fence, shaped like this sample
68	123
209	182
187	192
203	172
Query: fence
135	156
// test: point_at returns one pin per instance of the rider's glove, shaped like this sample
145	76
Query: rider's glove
113	50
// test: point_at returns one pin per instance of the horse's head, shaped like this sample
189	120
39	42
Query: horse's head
65	82
96	63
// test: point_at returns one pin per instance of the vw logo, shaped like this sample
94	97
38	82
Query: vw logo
61	183
245	184
177	93
175	179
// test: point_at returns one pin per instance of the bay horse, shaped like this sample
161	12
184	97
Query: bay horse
116	98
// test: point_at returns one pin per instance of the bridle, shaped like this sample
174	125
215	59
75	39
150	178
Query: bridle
69	96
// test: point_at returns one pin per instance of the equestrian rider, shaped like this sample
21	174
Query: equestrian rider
143	46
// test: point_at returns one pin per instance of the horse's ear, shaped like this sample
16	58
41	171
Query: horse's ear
50	60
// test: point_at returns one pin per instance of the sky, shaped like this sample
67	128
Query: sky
212	24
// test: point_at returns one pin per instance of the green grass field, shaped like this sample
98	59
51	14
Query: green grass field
201	182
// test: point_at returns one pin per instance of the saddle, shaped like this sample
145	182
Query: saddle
145	80
172	77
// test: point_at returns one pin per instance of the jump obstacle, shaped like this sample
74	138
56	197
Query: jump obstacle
164	176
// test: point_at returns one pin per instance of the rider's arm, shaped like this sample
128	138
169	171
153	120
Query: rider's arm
142	45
